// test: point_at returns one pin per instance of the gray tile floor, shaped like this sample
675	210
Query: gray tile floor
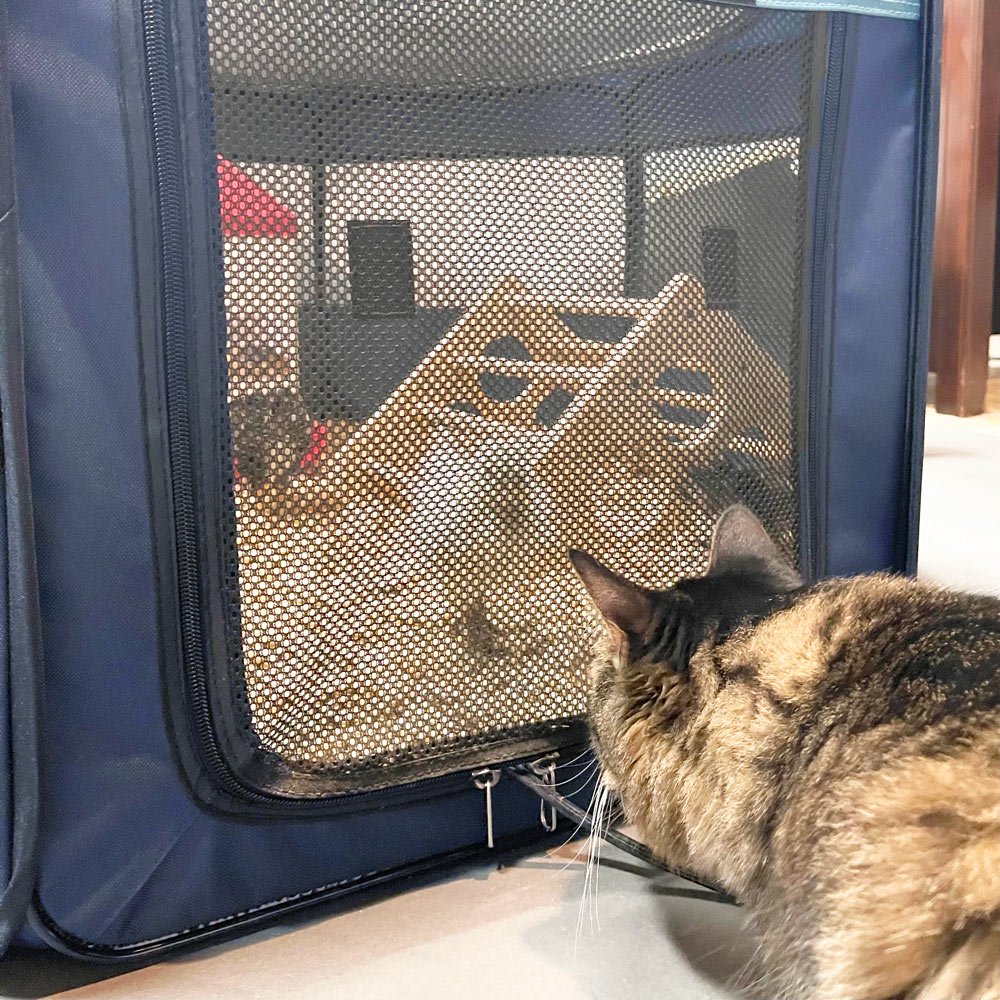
960	503
486	933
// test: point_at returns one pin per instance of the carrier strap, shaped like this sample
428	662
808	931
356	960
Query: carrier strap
573	812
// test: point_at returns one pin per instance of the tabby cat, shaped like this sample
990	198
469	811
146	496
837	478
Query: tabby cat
829	754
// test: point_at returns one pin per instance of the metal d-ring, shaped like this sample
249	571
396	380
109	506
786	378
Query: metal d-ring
545	770
485	779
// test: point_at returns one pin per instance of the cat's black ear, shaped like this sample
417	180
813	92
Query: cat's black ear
621	602
740	543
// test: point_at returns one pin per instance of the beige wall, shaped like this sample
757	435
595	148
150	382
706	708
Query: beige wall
557	223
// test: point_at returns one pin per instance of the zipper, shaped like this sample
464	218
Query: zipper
168	196
167	171
817	400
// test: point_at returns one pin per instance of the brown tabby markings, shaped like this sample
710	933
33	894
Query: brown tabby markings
836	766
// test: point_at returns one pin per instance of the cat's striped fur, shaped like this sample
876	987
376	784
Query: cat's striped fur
828	754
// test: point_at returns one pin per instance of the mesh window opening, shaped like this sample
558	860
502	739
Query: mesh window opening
498	283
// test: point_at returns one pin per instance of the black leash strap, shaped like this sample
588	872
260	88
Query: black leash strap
575	814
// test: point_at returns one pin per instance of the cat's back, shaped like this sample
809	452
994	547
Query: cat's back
864	651
890	790
905	652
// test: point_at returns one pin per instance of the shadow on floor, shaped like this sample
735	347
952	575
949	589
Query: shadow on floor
30	974
648	934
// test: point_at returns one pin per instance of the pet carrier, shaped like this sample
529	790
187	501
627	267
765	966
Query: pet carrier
329	326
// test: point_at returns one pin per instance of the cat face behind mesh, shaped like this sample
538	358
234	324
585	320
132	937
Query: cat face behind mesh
830	754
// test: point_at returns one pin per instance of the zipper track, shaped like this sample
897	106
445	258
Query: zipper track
167	172
169	190
165	136
819	360
162	105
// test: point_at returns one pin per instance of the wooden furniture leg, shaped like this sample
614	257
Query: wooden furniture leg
961	315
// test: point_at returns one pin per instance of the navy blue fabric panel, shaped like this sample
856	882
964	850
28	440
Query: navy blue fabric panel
925	204
7	237
6	125
19	631
85	434
6	814
866	505
126	856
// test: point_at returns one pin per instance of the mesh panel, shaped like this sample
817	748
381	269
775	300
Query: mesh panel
501	279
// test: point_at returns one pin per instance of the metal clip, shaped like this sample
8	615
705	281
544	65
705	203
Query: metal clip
485	779
545	770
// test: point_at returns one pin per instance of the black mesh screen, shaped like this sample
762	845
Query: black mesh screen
501	278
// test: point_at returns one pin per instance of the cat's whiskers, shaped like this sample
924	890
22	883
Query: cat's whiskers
594	842
587	769
573	760
610	800
593	811
584	843
579	782
603	819
569	792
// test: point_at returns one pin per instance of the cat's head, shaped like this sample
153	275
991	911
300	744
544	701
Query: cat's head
646	668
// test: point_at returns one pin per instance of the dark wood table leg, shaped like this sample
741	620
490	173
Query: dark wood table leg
961	314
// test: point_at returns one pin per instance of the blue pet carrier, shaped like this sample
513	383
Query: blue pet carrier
328	326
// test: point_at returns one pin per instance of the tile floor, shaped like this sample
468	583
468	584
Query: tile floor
513	932
484	934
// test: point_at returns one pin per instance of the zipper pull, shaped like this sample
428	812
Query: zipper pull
545	770
485	779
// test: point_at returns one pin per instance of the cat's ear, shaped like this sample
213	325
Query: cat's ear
741	542
624	604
